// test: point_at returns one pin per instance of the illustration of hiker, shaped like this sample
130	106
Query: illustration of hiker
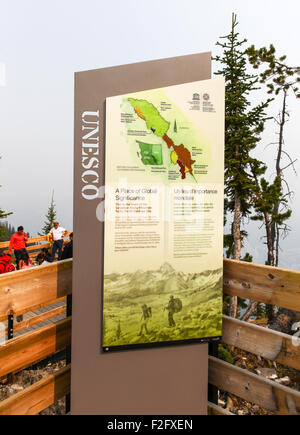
146	314
174	306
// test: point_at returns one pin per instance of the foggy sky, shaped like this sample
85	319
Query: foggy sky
44	43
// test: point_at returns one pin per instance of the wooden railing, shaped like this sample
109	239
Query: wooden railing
21	292
34	245
26	290
269	285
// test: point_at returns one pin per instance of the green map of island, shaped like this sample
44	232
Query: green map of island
159	126
151	154
151	116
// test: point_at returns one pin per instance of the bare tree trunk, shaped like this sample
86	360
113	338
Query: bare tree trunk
237	228
237	238
250	310
270	243
274	233
277	246
270	240
282	120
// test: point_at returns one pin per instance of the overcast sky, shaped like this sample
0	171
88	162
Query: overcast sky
44	42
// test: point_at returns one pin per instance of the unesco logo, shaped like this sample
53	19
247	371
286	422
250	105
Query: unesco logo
206	97
196	97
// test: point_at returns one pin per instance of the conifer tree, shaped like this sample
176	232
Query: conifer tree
280	80
50	217
3	215
267	195
272	200
3	233
243	126
6	231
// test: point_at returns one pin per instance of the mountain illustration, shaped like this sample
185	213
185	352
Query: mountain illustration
128	295
166	268
163	280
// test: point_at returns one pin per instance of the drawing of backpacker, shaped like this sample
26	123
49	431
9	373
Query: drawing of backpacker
147	313
174	306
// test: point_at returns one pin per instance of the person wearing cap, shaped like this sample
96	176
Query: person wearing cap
18	244
57	234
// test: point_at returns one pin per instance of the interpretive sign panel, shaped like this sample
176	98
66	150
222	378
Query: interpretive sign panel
163	240
145	379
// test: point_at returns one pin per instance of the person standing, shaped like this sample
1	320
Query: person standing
171	310
68	249
146	314
18	244
57	234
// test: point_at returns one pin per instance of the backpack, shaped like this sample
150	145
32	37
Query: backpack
6	266
177	305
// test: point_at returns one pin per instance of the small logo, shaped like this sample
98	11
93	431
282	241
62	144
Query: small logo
206	97
196	97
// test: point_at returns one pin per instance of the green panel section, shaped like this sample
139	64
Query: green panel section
157	154
153	119
138	306
151	153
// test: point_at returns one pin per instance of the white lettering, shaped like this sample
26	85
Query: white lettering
93	174
90	149
88	113
90	188
90	163
89	135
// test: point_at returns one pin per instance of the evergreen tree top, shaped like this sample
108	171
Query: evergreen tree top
244	122
50	217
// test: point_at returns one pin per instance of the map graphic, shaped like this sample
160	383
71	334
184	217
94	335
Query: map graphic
159	126
151	153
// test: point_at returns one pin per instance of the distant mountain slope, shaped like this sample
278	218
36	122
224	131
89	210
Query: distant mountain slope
163	280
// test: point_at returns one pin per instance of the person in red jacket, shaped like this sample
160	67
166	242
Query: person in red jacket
5	263
18	244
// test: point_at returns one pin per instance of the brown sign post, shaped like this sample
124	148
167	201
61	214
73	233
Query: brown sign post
161	380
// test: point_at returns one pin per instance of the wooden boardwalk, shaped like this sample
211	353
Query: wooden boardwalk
31	315
39	311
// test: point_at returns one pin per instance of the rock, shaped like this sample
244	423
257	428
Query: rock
15	387
283	381
267	373
229	403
